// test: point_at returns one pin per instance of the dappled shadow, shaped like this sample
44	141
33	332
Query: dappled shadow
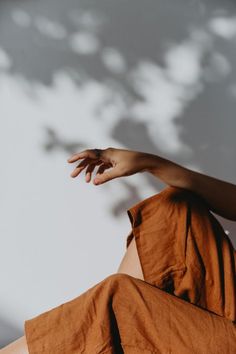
154	76
54	142
165	72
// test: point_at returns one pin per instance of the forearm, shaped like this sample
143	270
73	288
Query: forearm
219	195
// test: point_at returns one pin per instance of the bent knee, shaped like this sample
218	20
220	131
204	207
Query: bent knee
119	278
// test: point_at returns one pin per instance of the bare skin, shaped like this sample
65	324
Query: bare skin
130	263
19	346
113	163
219	195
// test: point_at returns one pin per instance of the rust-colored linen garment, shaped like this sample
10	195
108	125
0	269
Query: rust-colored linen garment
185	304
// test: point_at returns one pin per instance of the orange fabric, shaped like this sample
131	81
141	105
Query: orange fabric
185	304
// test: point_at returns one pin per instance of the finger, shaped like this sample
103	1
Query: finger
76	157
90	170
107	176
102	168
83	154
80	167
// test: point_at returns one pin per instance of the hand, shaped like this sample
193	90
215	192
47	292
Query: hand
120	162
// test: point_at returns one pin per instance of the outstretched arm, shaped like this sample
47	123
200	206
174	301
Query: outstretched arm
219	195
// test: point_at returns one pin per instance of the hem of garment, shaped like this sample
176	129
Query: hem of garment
27	337
132	214
144	266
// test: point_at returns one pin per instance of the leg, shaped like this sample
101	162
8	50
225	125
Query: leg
17	347
184	250
130	263
122	314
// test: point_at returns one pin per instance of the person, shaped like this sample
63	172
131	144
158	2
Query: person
174	290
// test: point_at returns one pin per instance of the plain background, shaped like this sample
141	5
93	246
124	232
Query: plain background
154	76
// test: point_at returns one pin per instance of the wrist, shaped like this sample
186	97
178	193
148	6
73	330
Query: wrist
169	172
153	163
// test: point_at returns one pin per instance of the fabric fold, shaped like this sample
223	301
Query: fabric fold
186	302
184	250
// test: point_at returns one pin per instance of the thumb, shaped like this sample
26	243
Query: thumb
105	177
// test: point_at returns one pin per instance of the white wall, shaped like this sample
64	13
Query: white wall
152	76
